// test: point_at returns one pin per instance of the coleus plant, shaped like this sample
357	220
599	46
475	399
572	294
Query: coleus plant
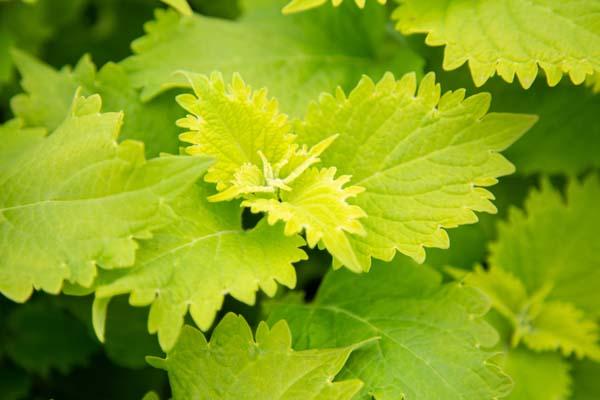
321	128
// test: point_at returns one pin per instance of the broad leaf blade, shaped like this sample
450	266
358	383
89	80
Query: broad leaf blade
77	198
234	365
198	259
432	336
422	158
295	57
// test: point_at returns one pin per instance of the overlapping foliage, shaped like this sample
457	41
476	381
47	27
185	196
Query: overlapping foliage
243	157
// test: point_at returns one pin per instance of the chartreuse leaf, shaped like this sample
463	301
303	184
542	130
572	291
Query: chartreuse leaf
296	57
79	173
510	37
303	5
234	365
537	376
198	259
317	204
423	159
49	94
257	159
541	325
41	337
432	336
550	246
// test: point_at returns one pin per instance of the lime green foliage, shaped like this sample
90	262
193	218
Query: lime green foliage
432	337
395	141
41	337
79	173
194	262
534	282
257	158
537	376
586	385
545	258
510	37
302	5
234	365
317	204
50	93
295	57
540	324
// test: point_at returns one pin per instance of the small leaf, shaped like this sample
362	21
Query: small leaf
234	365
317	204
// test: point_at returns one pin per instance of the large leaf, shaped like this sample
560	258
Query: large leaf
50	92
234	365
551	245
194	262
510	37
423	159
76	199
295	57
432	337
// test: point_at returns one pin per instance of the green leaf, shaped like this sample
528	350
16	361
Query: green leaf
542	325
296	57
235	126
76	199
303	5
561	325
551	245
509	37
586	385
317	204
257	159
423	159
41	337
50	93
234	365
537	376
195	261
432	336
